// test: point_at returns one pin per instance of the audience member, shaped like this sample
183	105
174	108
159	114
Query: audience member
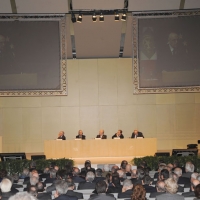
128	170
32	190
121	174
189	169
123	165
175	177
88	183
46	173
147	181
161	166
197	192
160	189
99	176
194	183
182	180
22	196
24	174
171	188
127	190
76	175
116	186
87	167
169	167
52	176
164	174
139	193
106	169
114	169
41	192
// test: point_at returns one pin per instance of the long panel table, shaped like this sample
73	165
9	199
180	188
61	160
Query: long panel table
100	148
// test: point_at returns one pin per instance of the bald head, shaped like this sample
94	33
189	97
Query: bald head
194	183
101	132
160	186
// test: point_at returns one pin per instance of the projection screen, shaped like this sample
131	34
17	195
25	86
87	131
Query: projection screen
166	52
32	55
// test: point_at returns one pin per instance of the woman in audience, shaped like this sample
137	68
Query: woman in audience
139	193
197	192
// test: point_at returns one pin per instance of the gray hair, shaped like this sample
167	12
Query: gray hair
61	187
178	171
160	185
34	180
25	172
46	170
194	175
22	196
6	185
189	167
106	168
174	176
90	176
128	184
53	173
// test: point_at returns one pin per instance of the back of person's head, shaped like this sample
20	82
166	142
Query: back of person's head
34	180
147	180
3	173
70	183
98	172
120	172
171	186
161	166
123	164
127	184
174	176
46	170
140	174
115	181
90	176
61	187
189	167
128	168
194	176
6	185
106	168
160	186
25	172
40	186
22	196
101	187
76	171
32	189
52	173
164	174
178	171
62	174
197	191
114	168
87	164
139	193
194	183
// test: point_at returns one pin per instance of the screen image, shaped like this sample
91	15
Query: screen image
169	51
29	55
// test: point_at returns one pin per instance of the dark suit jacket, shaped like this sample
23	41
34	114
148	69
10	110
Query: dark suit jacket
103	137
75	194
185	181
168	196
97	179
83	137
44	175
50	180
127	194
77	179
140	134
187	174
45	196
112	189
135	181
149	189
86	185
65	197
62	137
51	188
84	170
155	194
188	194
115	135
180	189
102	196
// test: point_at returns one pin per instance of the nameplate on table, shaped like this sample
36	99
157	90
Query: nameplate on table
139	137
97	138
117	138
78	139
59	139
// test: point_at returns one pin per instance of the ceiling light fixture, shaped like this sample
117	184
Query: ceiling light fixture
94	17
116	16
79	19
123	16
101	18
73	18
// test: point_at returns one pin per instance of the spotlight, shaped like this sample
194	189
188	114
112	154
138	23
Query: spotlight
101	18
116	16
73	18
79	19
123	16
94	17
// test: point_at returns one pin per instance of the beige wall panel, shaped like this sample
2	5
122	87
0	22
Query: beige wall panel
89	121
127	119
70	122
108	119
184	98
197	117
107	71
185	117
12	125
5	6
125	80
88	81
146	120
11	102
50	101
197	97
73	84
146	99
165	98
51	121
31	102
165	120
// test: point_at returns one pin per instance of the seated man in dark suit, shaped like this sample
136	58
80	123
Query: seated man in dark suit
137	176
41	194
116	186
76	175
189	169
175	177
101	135
45	173
61	135
127	190
87	167
101	188
99	176
136	134
194	183
118	135
61	190
80	135
52	177
147	181
88	183
171	190
70	191
160	187
182	180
